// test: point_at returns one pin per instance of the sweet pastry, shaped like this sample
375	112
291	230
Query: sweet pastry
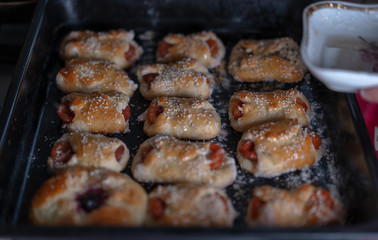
306	205
274	148
86	149
247	108
185	78
96	112
116	46
82	75
189	206
206	47
269	59
169	160
83	196
181	117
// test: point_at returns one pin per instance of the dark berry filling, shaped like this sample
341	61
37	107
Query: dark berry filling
92	199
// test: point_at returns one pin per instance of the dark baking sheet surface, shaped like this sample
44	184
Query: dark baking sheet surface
32	126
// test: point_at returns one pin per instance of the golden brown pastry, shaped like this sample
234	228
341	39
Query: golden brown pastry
169	160
86	149
185	78
95	113
82	75
189	206
304	206
269	59
274	148
206	47
89	196
116	46
247	108
181	117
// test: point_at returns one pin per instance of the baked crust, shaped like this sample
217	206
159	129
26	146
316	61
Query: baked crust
269	59
97	112
278	147
190	206
306	205
248	109
57	202
116	46
183	118
82	75
185	78
86	149
169	160
195	45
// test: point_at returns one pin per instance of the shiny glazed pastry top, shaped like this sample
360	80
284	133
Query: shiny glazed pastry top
86	149
247	108
306	205
81	196
95	113
185	78
190	118
164	159
273	148
83	75
205	47
117	46
269	59
189	206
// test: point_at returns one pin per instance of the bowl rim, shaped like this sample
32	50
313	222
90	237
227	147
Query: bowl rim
339	5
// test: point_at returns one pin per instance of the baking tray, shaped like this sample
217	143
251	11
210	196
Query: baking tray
30	126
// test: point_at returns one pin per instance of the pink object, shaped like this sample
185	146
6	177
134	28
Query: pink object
370	113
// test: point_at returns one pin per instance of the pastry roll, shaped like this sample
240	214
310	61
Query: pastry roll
116	46
83	196
206	47
86	149
82	75
274	148
181	117
185	78
169	160
270	59
247	109
304	206
96	112
189	206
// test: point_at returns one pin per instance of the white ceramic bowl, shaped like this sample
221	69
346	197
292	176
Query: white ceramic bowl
340	44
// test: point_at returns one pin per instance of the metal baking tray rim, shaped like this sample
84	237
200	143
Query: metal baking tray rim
359	230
